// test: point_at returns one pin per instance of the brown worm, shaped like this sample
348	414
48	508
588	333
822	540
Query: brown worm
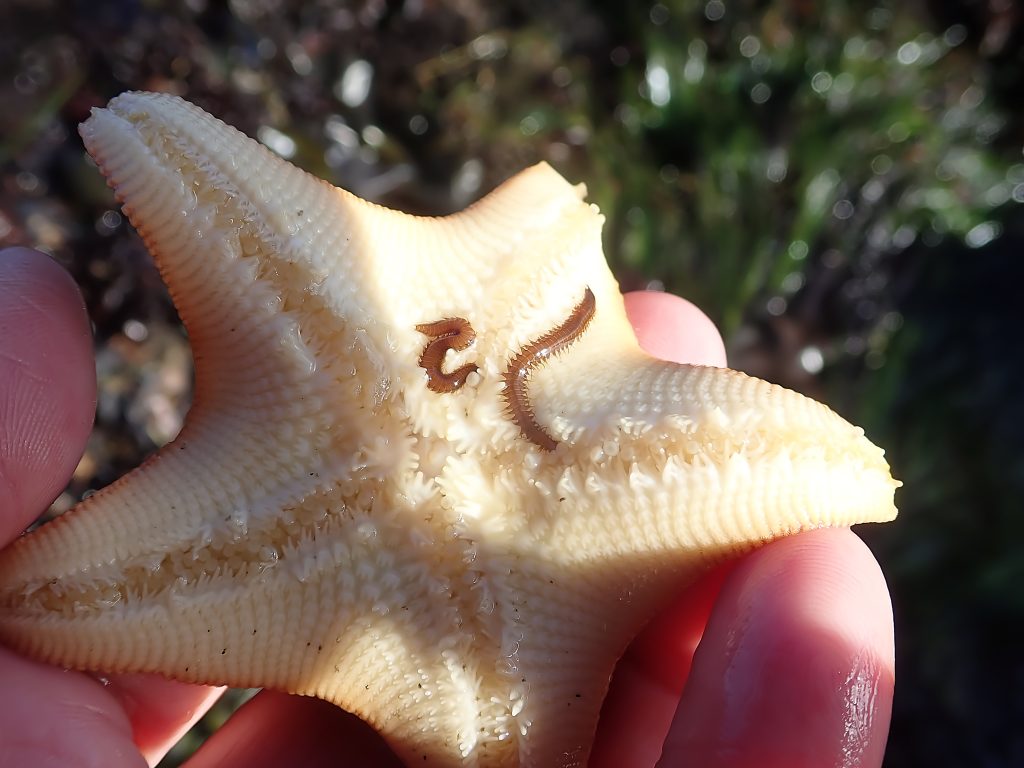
517	374
451	333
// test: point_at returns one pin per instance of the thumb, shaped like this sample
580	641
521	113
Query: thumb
47	384
47	398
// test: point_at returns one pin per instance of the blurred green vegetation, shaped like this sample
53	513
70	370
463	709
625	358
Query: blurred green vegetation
838	184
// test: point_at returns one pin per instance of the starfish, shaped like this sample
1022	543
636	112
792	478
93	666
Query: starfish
428	474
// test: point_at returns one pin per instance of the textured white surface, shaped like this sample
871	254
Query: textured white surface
325	524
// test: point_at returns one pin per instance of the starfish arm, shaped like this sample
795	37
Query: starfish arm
256	372
684	462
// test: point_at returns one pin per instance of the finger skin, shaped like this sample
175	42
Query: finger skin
47	401
47	398
649	678
160	711
54	719
671	328
275	729
47	385
796	666
645	688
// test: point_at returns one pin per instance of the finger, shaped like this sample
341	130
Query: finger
645	687
674	329
47	396
796	666
60	718
644	691
274	729
160	711
47	384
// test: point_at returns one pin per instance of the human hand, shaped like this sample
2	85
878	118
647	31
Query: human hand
795	667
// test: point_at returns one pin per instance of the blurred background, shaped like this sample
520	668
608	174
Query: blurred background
839	185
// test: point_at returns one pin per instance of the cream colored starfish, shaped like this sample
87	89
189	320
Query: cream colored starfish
428	474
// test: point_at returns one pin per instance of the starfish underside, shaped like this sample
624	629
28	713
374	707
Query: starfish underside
455	542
